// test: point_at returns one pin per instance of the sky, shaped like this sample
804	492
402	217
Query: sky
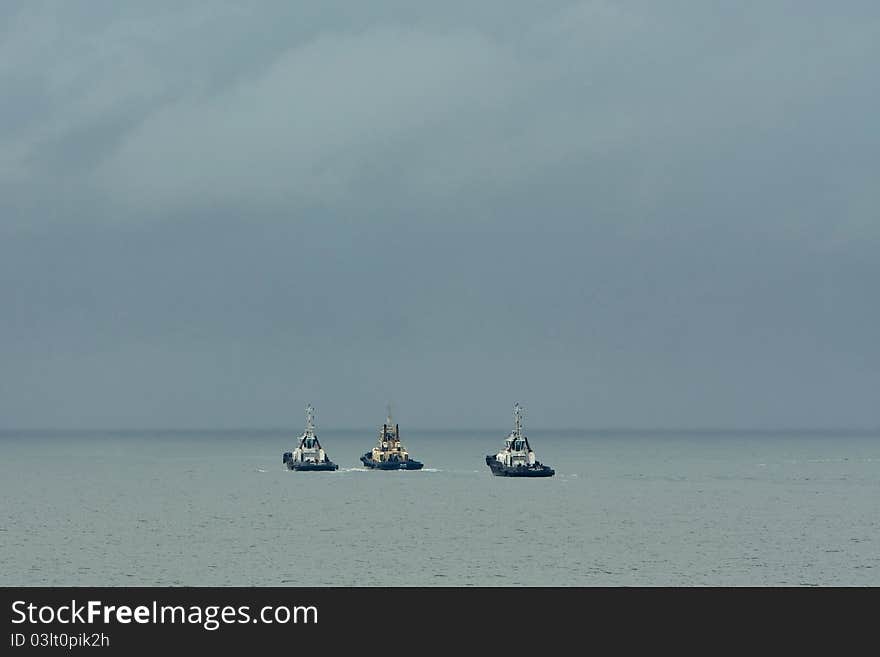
618	214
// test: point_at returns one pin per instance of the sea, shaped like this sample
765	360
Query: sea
625	508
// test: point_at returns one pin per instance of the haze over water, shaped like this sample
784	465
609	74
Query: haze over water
625	508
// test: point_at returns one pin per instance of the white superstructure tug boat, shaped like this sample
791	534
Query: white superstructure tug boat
309	456
389	453
517	459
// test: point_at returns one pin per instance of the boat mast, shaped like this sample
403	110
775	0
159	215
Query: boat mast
389	423
517	420
310	421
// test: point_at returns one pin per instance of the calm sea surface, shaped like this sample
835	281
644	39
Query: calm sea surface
218	508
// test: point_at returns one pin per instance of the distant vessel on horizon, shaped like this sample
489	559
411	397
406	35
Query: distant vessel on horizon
389	453
517	459
309	456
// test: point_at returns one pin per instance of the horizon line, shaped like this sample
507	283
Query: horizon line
607	429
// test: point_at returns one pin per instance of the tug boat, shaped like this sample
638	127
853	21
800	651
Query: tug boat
389	453
309	456
517	459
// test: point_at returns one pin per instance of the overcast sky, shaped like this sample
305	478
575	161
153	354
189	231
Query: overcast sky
619	214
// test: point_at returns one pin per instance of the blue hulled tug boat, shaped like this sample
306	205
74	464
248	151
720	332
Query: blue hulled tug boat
389	453
517	459
309	456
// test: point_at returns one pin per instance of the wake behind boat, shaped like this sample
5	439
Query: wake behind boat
389	453
309	456
517	459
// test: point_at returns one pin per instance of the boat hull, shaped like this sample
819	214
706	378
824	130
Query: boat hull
308	466
501	470
411	464
327	466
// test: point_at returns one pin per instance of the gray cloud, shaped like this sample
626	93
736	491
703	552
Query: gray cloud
621	214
